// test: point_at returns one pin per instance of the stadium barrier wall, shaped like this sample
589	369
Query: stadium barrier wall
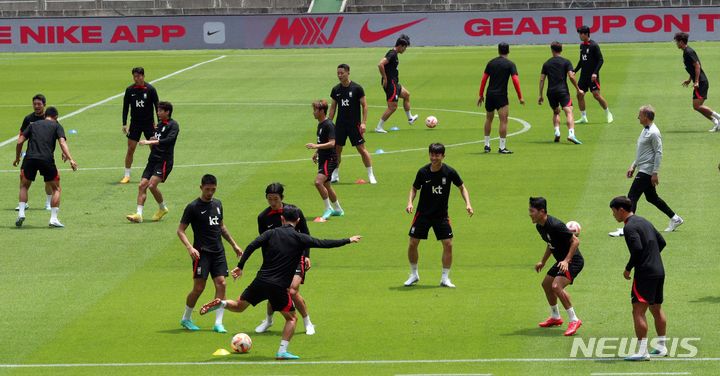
355	30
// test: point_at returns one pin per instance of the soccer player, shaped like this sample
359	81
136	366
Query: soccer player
41	136
556	69
499	70
699	80
351	97
645	244
283	248
433	181
647	163
326	158
563	245
160	162
141	100
38	102
388	67
269	219
591	60
205	215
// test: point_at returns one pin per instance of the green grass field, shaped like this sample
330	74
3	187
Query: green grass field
109	294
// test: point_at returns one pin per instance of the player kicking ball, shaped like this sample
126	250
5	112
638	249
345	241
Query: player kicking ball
563	245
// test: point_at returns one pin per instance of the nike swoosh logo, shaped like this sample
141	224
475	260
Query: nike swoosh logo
209	33
203	212
427	181
369	36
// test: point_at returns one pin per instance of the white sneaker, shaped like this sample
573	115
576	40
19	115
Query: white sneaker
335	178
610	118
583	120
380	130
310	329
48	207
674	223
446	283
618	232
414	278
660	352
716	127
55	223
372	179
264	326
638	357
411	121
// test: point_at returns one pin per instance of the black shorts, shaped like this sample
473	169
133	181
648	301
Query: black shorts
30	168
421	227
327	166
556	100
161	169
392	91
702	90
279	297
354	132
136	130
495	102
300	270
586	83
574	268
210	263
649	291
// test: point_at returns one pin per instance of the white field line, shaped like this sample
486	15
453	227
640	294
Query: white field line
355	362
108	99
639	373
525	124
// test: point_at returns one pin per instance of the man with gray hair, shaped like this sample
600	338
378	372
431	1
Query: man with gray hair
647	162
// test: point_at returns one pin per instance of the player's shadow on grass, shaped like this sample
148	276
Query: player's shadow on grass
417	287
247	357
707	299
536	332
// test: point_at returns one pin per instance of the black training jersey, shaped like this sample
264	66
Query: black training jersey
33	117
689	59
499	69
42	136
349	108
645	244
282	248
434	190
325	133
391	68
556	69
205	218
142	102
167	133
558	238
269	219
591	59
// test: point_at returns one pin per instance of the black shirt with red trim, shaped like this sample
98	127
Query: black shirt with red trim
141	101
434	187
42	136
391	68
166	133
269	219
282	249
33	117
591	59
556	69
349	108
558	237
645	245
689	59
499	69
325	133
205	218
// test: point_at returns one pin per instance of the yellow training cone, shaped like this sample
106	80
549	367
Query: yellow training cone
220	352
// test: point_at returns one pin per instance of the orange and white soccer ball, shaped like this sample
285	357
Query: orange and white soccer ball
574	227
241	343
431	121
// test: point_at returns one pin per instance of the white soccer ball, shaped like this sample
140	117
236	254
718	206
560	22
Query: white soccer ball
431	121
574	227
241	343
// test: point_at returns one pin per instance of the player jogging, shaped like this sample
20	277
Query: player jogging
591	60
645	245
41	136
349	123
434	182
205	215
499	70
283	248
698	79
269	219
38	102
326	158
141	99
556	69
390	81
160	163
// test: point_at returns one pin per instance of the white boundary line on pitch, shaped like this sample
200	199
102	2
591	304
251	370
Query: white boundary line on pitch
638	373
444	374
346	362
525	124
108	99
